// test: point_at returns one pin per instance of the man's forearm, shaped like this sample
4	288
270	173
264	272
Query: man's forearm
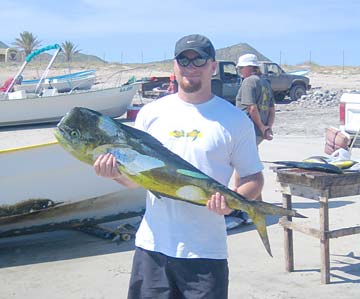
255	116
123	180
250	186
271	118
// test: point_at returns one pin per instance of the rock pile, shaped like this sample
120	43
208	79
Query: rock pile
320	98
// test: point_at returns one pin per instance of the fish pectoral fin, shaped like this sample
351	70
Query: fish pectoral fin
135	162
193	174
104	149
259	221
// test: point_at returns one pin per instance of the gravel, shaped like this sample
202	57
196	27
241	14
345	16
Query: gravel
310	115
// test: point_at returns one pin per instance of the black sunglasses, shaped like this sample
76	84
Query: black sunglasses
197	61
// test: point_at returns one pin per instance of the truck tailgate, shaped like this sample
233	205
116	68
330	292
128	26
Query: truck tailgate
352	116
352	112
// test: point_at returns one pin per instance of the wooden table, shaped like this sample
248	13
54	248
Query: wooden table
319	186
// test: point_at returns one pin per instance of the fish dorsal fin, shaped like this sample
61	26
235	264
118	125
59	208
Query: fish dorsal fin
143	137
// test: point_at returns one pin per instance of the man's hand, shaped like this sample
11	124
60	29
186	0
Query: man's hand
218	204
268	134
106	166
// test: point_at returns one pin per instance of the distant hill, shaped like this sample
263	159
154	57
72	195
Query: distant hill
233	52
79	57
229	53
3	46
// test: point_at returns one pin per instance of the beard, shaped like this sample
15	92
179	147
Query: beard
189	86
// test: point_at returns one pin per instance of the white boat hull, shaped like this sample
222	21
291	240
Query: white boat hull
112	102
77	194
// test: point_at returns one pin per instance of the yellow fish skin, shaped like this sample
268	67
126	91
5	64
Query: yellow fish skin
344	164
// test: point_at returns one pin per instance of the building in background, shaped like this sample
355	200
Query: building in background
8	54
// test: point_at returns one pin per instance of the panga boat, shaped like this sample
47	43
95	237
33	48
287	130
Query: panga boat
51	106
64	83
43	188
48	105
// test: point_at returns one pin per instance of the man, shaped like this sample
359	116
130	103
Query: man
256	97
181	249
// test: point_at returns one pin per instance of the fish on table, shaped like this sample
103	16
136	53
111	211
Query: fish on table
342	164
316	166
318	163
86	134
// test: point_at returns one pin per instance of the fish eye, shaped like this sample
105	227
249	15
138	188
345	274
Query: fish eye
74	133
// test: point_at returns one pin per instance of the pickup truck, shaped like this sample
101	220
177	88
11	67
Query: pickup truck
226	81
349	113
283	83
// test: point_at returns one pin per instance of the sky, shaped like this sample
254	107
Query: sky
287	32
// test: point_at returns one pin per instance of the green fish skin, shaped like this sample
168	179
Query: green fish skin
143	159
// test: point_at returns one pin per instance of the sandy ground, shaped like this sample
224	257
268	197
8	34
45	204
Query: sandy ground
72	265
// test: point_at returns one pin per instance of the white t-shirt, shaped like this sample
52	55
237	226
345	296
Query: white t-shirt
215	137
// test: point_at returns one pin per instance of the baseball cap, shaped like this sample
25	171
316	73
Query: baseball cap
247	60
196	42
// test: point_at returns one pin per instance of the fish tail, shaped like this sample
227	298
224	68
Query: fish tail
260	224
271	209
257	211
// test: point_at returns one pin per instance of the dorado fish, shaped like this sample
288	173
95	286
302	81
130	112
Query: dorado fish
343	164
143	159
324	167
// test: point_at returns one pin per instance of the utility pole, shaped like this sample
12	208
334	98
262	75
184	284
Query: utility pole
280	58
310	57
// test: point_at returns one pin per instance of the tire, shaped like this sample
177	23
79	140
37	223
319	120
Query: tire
125	237
279	97
296	92
216	87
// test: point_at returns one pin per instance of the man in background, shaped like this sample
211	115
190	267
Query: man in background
256	98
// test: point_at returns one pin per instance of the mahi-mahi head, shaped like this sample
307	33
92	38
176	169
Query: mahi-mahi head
143	159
